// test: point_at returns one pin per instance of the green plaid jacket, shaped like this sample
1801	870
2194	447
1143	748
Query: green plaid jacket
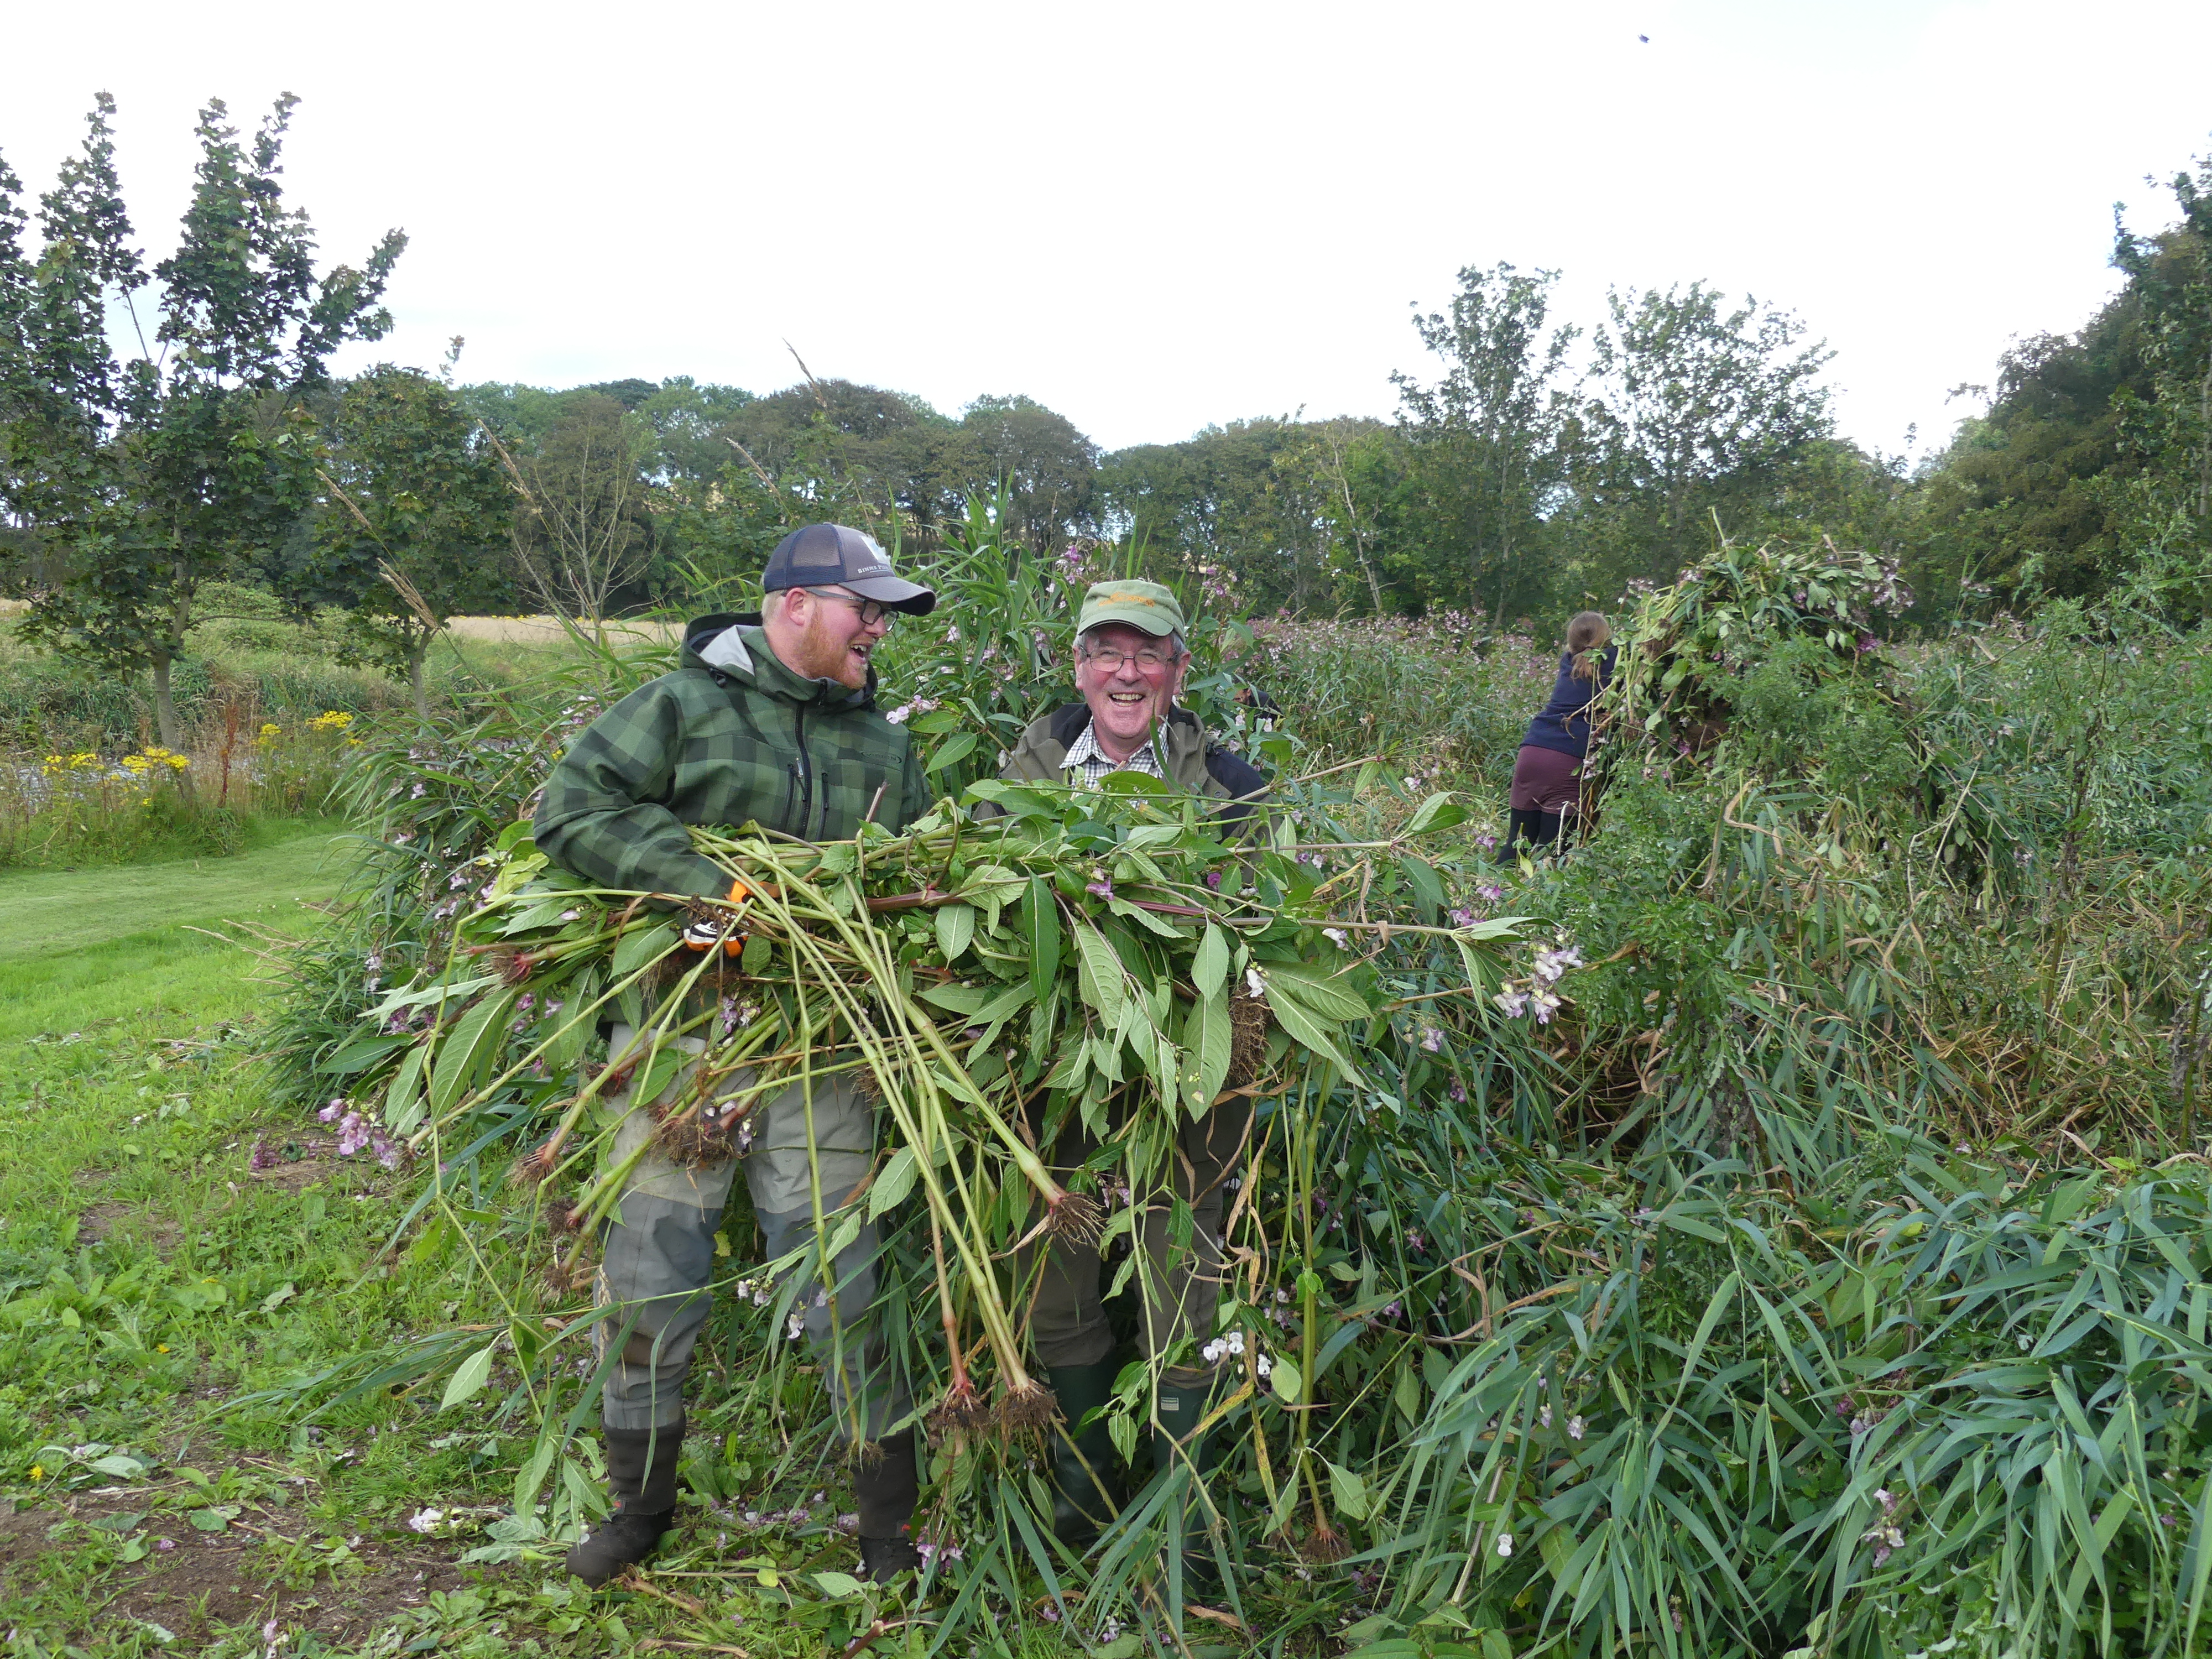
732	737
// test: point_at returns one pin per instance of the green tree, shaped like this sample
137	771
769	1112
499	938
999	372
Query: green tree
59	390
416	521
582	535
206	453
1699	412
1048	469
1490	458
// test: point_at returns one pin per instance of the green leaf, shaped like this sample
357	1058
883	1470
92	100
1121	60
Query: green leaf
466	1055
1328	995
1347	1490
1427	889
1210	966
640	945
1041	934
895	1182
1206	1041
473	1373
956	747
403	1102
1438	811
1286	1381
1304	1028
1098	974
212	1519
955	927
838	1585
361	1054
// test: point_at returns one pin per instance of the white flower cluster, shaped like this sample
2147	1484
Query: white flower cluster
758	1292
1231	1347
1535	995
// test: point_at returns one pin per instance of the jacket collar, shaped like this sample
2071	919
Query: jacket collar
730	646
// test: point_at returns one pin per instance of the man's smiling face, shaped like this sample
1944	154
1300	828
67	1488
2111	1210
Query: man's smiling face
1126	699
827	639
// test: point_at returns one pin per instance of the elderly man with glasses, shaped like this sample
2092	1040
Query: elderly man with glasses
1130	664
770	720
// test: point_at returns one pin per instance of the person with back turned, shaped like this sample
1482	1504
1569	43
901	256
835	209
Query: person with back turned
1548	774
769	719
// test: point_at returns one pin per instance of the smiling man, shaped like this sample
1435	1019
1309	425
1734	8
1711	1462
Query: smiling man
769	720
1130	664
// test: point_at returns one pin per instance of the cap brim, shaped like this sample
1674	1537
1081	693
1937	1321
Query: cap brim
911	598
1150	625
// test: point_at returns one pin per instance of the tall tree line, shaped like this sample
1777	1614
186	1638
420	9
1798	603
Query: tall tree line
1532	464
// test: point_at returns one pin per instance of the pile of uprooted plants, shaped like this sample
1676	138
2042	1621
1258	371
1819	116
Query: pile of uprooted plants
1684	1264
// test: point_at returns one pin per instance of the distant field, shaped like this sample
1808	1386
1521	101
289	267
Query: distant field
548	630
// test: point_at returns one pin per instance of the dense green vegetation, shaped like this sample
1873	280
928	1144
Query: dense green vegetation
1797	1246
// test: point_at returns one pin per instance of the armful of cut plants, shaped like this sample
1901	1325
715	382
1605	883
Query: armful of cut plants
1106	959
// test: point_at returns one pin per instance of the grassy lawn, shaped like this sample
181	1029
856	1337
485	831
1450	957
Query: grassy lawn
131	940
150	1276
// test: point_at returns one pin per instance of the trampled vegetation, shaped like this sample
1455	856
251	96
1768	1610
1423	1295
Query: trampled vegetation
1778	1226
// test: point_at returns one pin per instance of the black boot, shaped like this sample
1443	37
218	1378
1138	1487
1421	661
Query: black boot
642	1478
1517	823
888	1486
1086	1482
1543	833
1181	1411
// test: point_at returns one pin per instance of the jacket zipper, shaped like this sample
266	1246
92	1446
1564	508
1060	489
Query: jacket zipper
803	772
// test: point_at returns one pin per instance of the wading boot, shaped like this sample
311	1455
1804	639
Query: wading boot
1086	1483
642	1478
1181	1410
887	1486
1518	822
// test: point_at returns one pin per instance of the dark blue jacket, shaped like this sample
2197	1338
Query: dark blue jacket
1564	723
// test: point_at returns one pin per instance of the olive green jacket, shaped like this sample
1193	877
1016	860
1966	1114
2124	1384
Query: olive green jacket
1192	763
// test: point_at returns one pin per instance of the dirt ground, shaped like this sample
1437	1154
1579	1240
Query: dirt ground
192	1583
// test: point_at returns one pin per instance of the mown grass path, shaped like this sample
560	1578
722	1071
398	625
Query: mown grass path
150	1276
79	946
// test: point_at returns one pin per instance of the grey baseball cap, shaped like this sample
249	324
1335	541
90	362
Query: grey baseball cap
838	555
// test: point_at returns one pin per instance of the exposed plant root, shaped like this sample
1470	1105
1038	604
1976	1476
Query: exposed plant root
564	1216
961	1412
1324	1543
1027	1408
1248	1040
708	1133
534	1167
1077	1217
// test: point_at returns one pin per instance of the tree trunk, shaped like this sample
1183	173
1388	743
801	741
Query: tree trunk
414	683
165	723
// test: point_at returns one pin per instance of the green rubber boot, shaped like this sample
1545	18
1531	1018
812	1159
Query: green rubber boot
1086	1479
1181	1411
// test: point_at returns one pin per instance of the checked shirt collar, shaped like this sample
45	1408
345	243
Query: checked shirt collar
1087	763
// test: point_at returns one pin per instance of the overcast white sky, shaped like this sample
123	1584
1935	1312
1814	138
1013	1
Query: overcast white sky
1167	212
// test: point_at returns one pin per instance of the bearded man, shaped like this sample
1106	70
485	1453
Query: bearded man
768	720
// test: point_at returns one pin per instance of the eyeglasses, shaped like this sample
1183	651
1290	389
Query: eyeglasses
1111	661
872	610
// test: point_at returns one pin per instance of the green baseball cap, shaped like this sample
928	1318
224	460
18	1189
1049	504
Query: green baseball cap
1146	607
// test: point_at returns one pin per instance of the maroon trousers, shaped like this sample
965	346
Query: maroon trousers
1545	780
